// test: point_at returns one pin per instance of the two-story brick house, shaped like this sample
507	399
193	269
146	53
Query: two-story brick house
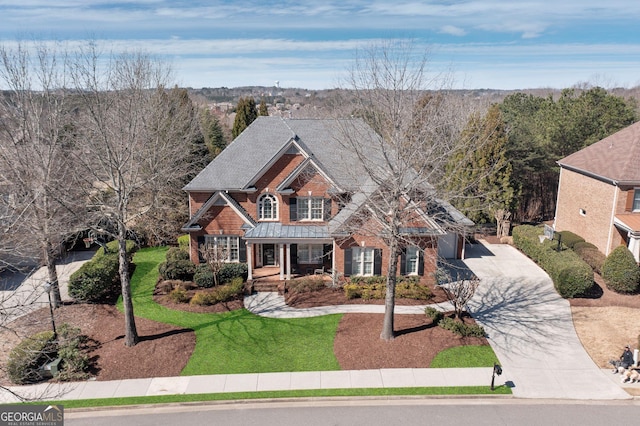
281	196
599	192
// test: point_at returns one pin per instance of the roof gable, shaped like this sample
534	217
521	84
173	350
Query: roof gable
615	158
219	198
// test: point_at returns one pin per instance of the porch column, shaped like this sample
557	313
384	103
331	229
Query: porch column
634	245
334	271
288	250
281	247
249	261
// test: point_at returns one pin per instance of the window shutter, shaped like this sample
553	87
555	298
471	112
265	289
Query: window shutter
326	254
403	262
294	256
377	262
327	209
347	262
629	205
242	250
420	262
293	209
200	244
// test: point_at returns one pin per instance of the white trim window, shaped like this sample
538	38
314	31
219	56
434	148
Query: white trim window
310	208
268	207
362	261
310	253
412	261
636	201
228	246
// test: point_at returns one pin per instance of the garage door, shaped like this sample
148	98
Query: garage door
447	246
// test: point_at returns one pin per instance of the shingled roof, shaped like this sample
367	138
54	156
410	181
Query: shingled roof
243	160
615	158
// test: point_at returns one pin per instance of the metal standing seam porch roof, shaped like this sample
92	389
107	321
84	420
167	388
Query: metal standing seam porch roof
275	230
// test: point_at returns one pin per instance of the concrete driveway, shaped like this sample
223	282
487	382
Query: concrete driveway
531	330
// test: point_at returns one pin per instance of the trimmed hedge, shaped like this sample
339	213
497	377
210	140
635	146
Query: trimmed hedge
97	280
571	276
620	271
462	329
177	265
179	269
203	277
221	293
25	360
406	289
591	255
570	239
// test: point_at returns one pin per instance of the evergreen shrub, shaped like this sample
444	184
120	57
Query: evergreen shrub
571	276
98	280
591	255
25	360
620	271
570	239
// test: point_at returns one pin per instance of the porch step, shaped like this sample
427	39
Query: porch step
267	286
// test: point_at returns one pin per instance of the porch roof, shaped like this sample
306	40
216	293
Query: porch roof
629	221
275	230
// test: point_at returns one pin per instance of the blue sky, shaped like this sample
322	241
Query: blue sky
501	44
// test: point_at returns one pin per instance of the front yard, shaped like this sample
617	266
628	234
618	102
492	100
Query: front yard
177	342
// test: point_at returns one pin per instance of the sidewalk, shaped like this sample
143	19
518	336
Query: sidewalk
345	379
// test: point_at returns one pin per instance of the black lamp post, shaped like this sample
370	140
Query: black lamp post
497	370
47	288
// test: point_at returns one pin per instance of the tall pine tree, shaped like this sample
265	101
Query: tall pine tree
246	113
481	178
263	111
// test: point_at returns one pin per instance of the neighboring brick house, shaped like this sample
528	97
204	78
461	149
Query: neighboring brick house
599	192
282	195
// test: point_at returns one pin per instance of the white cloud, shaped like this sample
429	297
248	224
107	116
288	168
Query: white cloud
452	30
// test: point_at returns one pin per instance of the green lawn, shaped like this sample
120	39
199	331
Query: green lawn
238	341
465	357
241	342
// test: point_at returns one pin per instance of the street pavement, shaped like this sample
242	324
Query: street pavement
529	327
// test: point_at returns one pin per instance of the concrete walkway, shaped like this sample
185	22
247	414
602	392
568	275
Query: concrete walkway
531	330
272	305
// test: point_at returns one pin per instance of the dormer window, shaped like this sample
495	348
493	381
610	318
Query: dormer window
267	207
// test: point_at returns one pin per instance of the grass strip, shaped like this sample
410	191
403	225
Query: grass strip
306	393
470	356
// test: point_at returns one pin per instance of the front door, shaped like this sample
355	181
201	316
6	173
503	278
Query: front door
269	255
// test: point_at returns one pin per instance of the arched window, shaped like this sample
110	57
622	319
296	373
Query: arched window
268	207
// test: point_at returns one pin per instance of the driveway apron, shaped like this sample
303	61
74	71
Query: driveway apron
531	330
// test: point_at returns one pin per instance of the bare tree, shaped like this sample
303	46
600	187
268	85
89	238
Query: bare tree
136	140
35	155
459	291
419	128
215	257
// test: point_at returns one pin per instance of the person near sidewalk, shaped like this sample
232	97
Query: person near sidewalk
626	359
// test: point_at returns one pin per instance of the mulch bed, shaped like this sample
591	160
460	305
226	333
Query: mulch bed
335	296
358	346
